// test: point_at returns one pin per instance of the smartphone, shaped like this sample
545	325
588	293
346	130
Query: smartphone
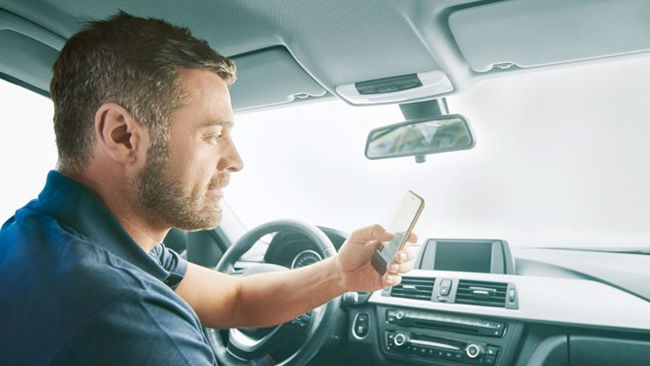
403	222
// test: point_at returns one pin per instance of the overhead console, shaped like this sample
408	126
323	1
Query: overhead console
508	34
397	88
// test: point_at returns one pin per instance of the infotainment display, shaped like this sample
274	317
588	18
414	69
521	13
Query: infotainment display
466	255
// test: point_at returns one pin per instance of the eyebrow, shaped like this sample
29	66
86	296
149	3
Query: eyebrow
223	123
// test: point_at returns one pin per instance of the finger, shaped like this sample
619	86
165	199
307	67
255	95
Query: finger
413	238
399	268
393	268
413	250
368	233
391	280
405	255
405	267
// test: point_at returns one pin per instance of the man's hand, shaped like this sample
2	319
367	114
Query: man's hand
355	268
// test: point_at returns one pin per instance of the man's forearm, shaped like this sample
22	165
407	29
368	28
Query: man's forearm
272	298
224	301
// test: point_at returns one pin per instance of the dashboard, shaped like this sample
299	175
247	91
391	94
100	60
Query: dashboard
479	302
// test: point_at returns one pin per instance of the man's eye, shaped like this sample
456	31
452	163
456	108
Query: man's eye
215	138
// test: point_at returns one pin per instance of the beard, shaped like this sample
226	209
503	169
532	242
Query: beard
162	198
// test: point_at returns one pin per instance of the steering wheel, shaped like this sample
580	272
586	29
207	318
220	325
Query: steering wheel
245	346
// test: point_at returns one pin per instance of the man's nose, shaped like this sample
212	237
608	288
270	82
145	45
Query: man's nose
230	160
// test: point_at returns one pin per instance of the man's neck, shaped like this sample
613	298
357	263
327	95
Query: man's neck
146	232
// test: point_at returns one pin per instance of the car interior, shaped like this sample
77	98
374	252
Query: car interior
469	300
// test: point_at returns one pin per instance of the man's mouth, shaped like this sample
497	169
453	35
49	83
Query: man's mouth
217	184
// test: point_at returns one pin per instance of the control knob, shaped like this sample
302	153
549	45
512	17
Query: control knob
400	339
473	350
399	315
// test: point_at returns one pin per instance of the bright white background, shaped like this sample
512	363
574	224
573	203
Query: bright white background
561	159
27	146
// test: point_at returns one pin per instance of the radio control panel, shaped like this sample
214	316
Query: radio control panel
446	338
455	323
440	348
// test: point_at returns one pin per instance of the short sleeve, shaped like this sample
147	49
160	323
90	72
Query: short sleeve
139	329
171	262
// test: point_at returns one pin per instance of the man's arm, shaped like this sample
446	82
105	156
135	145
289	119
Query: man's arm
223	301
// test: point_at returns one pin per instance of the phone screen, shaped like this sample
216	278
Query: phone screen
405	217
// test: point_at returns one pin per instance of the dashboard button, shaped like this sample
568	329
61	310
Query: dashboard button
390	315
473	351
361	325
400	339
489	360
444	291
491	351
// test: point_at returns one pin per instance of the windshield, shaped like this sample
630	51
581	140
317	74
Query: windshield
561	159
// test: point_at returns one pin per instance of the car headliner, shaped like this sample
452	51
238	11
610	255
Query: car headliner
311	47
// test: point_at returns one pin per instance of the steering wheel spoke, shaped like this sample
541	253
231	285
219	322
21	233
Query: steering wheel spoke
237	272
315	326
247	346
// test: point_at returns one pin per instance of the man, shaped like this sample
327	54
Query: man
142	121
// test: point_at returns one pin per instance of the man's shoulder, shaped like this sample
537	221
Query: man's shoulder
44	263
57	283
41	250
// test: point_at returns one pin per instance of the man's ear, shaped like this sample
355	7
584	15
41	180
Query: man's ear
119	134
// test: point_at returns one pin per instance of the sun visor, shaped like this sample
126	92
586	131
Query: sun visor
530	33
29	51
271	77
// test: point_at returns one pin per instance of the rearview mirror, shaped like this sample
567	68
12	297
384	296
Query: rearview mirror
420	137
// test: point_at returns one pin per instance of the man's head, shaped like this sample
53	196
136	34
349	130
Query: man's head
144	102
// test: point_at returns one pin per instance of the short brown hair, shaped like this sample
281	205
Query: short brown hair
130	61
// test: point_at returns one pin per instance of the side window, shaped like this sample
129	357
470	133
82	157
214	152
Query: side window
27	146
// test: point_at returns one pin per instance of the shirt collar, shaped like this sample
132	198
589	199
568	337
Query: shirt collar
77	208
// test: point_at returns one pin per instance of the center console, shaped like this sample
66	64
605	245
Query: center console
443	338
434	317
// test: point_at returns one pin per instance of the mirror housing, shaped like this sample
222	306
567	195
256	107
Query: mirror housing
420	137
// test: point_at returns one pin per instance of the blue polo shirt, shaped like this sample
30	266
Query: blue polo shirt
76	289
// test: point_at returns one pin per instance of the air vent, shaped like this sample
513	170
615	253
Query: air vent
414	288
481	293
